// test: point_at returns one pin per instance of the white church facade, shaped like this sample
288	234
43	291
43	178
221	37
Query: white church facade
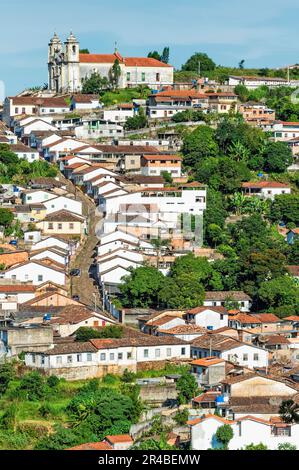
68	67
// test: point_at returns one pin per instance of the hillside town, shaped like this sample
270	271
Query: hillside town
149	256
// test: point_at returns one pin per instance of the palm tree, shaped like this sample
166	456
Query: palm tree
257	205
238	151
238	202
289	411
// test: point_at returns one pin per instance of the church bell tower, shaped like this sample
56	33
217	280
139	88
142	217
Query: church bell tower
72	62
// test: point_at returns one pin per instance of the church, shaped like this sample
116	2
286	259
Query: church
68	67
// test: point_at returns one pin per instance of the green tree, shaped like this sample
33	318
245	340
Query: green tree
94	84
224	435
199	61
286	446
183	291
181	417
6	217
285	207
277	157
154	55
259	446
187	388
7	374
165	55
199	145
139	121
85	333
114	74
279	292
141	287
33	384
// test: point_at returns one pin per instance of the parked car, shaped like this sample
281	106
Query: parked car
75	272
13	242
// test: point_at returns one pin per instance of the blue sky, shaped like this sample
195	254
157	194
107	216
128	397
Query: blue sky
263	32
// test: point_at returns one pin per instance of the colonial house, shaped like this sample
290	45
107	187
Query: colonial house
58	203
230	349
35	271
51	241
24	152
159	164
257	323
284	131
56	254
252	82
210	318
228	299
183	331
255	113
256	394
22	292
208	371
265	189
247	430
80	102
165	322
98	357
63	223
30	212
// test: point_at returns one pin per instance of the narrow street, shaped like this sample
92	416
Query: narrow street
85	286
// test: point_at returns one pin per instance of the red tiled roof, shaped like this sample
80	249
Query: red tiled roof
99	58
207	361
196	310
163	157
119	438
144	62
17	288
92	446
264	184
266	317
294	270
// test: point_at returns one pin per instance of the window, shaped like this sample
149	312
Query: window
71	226
129	355
111	357
221	316
50	226
59	226
157	77
168	352
40	278
89	356
16	110
145	353
245	357
157	352
79	357
33	358
255	357
143	76
128	76
103	357
183	351
120	356
69	359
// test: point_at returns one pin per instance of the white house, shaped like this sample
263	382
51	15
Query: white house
227	298
99	356
156	165
51	242
54	253
210	318
252	82
36	196
58	203
246	431
168	200
230	349
36	272
265	189
24	152
22	292
85	102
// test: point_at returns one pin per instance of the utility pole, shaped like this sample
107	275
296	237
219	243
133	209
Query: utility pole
103	296
199	65
288	74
